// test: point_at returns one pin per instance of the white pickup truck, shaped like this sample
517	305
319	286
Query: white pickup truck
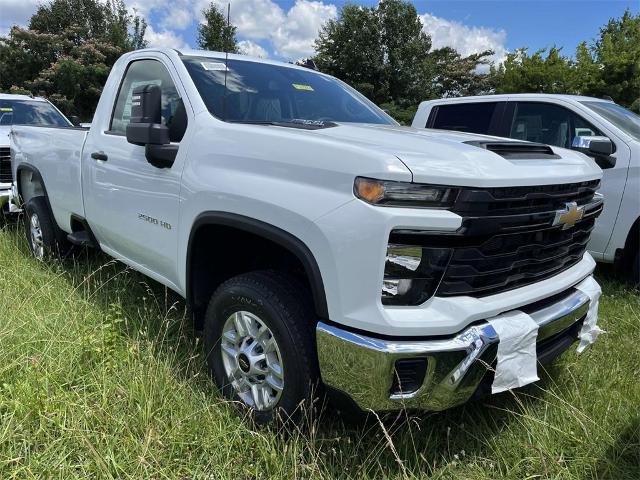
599	128
21	110
318	243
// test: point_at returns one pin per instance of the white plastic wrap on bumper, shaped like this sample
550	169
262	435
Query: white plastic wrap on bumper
590	330
517	363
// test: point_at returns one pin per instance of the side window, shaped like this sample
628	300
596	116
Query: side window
142	72
464	117
549	123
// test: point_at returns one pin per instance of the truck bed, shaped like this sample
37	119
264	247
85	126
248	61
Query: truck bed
55	154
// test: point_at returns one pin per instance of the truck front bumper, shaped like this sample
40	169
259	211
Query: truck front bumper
436	373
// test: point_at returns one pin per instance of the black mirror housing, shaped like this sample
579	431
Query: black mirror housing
145	126
597	147
601	146
147	134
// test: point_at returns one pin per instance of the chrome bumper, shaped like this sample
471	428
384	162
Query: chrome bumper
364	367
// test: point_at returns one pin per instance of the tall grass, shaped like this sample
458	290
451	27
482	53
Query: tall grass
102	376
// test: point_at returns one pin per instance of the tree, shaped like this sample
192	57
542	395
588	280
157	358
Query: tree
350	49
66	55
216	33
383	52
617	54
610	66
522	73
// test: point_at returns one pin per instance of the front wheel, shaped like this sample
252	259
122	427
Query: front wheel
260	345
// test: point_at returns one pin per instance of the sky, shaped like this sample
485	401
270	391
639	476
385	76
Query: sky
286	29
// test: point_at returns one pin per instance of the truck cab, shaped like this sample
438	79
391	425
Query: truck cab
566	121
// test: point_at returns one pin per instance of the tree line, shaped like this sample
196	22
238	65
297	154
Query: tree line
69	47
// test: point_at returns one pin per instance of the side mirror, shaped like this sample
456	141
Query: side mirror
600	148
145	127
75	120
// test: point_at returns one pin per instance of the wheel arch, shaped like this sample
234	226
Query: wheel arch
261	230
30	183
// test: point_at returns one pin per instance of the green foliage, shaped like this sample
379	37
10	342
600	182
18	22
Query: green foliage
403	115
383	52
610	66
534	74
215	33
68	50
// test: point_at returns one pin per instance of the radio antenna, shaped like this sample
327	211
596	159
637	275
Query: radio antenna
226	60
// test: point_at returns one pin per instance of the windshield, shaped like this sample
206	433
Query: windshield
30	112
624	119
260	92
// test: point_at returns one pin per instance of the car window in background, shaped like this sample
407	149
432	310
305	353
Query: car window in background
624	119
30	112
145	72
261	92
548	123
468	117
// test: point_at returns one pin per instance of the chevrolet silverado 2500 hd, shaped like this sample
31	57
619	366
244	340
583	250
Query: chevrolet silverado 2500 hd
603	130
21	110
315	240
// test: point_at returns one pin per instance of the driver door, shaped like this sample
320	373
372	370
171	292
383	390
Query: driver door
133	207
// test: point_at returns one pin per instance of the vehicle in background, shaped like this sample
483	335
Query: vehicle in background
21	110
605	131
316	241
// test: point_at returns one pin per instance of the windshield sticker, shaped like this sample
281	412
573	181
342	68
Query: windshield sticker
298	86
214	66
6	109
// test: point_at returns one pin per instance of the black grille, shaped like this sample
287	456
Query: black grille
508	240
505	262
5	165
522	200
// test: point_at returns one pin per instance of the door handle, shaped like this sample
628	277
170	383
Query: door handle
99	156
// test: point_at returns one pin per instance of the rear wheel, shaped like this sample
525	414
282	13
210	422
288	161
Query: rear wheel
43	236
260	345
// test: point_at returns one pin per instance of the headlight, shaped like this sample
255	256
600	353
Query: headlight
412	273
403	194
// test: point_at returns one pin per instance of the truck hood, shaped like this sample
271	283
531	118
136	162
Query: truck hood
443	157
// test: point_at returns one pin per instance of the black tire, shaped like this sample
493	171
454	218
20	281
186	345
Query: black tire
53	242
635	270
283	305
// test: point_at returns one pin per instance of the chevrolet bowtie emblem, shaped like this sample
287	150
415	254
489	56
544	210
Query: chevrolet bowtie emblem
569	215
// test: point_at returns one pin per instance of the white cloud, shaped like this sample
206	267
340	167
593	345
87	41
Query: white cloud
252	49
164	38
291	33
465	39
295	37
178	19
16	12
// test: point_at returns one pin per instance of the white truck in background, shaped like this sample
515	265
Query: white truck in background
600	128
318	243
21	110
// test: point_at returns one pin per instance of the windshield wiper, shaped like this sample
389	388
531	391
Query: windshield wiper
295	123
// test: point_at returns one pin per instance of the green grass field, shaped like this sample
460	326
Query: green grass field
102	376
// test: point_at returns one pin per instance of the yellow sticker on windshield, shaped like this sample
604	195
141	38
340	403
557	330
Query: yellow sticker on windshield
297	86
6	109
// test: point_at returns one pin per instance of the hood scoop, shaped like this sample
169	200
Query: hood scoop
516	150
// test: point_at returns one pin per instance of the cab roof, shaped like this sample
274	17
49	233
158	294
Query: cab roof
515	96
